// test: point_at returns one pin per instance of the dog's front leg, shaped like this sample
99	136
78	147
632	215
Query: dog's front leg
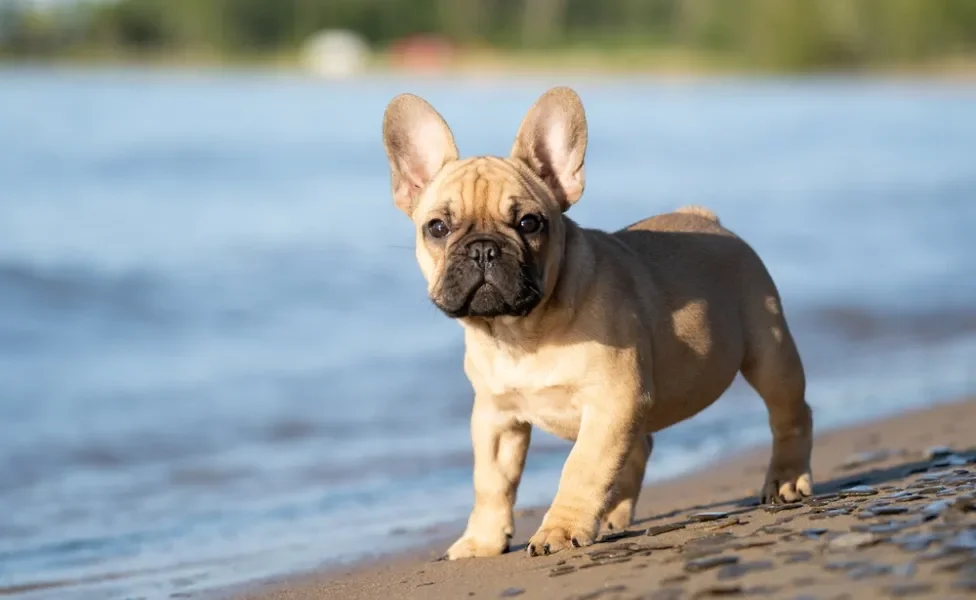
607	433
500	443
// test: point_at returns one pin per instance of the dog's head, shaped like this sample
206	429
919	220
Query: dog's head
490	231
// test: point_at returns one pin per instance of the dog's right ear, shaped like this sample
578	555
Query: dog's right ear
418	143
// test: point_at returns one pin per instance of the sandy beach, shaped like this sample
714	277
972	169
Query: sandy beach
893	516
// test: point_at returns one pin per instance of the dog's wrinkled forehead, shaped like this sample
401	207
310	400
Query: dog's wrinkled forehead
480	191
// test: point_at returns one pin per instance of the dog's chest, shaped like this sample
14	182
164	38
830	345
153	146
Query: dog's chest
533	390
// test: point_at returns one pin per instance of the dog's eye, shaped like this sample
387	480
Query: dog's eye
530	224
438	228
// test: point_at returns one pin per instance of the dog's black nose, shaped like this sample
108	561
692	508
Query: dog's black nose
483	252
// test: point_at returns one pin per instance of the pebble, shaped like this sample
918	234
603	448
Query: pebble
844	565
881	528
512	592
858	490
869	570
561	570
703	564
916	542
661	529
905	590
890	510
708	516
853	541
965	540
934	509
608	590
901	496
718	591
668	594
734	571
798	556
937	452
775	508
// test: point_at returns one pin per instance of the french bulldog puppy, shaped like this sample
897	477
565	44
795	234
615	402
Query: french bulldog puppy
601	338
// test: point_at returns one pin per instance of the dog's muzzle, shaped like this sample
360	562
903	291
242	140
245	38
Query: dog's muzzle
484	279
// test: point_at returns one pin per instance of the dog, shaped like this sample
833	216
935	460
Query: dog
600	338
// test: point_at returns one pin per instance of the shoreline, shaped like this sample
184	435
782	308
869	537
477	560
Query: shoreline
878	452
571	63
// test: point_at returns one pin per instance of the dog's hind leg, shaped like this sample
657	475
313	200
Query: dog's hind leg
627	488
773	368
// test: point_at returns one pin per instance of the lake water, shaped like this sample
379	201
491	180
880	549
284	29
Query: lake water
217	359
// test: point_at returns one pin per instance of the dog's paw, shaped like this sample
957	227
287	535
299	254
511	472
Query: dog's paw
620	517
470	547
556	537
786	485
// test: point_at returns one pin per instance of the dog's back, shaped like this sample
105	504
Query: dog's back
697	266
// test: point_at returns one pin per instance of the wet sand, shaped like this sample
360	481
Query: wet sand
893	516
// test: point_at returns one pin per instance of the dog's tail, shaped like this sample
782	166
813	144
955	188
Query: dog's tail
701	211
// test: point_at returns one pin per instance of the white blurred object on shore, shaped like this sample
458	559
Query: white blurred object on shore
335	53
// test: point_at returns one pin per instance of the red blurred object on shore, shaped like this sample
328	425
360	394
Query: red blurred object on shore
422	53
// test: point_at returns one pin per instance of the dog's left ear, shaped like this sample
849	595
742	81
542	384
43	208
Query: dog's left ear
552	142
418	143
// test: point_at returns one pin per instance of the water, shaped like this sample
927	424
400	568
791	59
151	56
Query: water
217	360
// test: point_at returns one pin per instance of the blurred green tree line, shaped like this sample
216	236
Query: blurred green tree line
772	34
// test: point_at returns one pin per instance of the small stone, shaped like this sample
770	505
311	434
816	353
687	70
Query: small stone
954	566
561	570
903	496
814	532
610	553
773	530
724	524
661	529
615	536
965	540
708	516
710	562
511	592
906	590
881	528
869	570
797	556
853	541
719	591
756	543
935	554
825	497
734	571
608	590
673	579
775	508
668	594
890	510
858	490
937	452
917	542
844	565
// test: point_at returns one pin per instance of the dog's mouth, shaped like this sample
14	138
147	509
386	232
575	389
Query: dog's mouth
494	292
